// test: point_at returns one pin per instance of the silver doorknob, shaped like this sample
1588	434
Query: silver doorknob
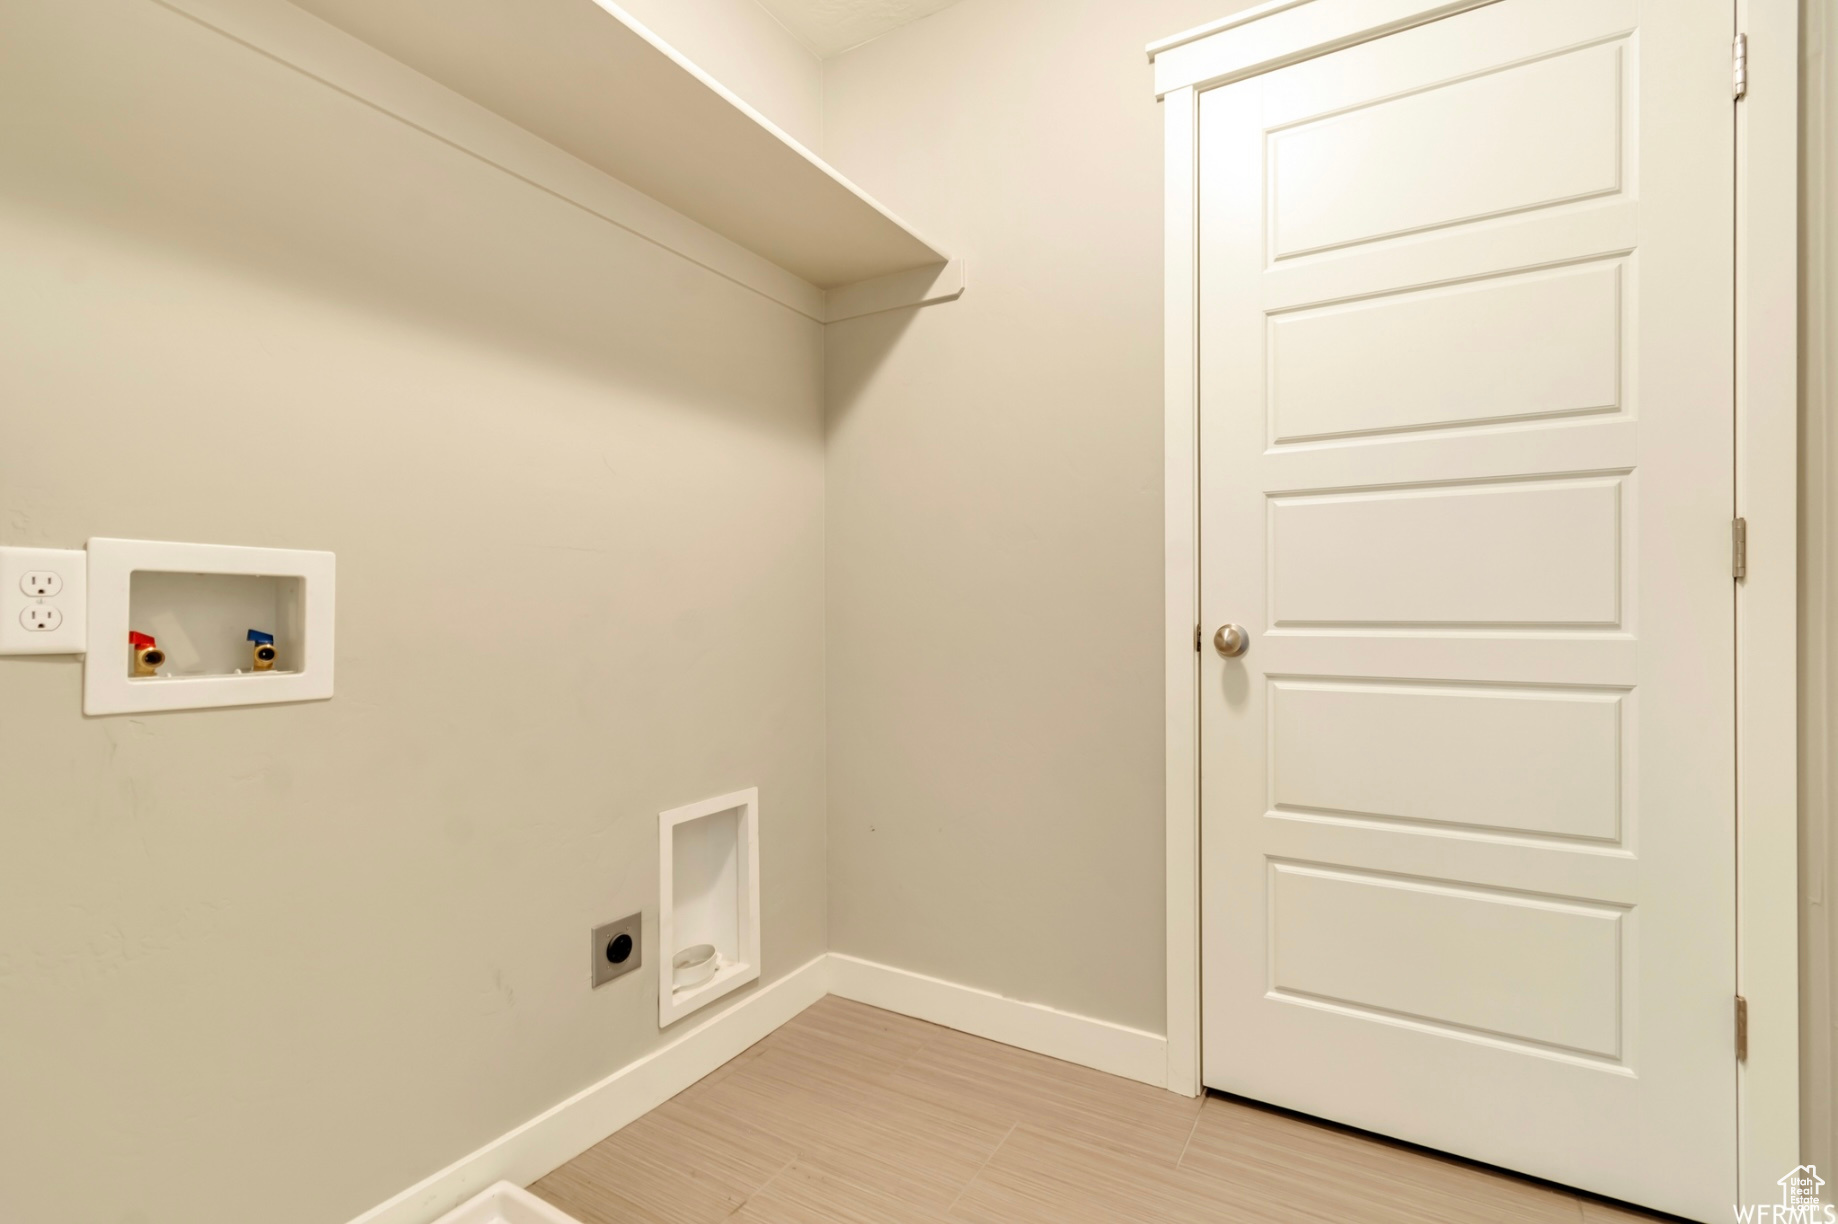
1231	641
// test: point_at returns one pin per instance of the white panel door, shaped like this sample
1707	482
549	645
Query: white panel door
1466	449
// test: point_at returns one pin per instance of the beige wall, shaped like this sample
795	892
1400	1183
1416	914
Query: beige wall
995	512
275	964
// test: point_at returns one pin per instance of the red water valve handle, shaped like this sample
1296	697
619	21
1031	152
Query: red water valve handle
140	639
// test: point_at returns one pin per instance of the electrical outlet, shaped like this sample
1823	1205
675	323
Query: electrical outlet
616	948
41	584
44	602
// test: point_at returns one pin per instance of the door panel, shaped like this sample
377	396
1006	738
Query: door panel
1526	552
1508	348
1528	135
1464	757
1466	445
1519	968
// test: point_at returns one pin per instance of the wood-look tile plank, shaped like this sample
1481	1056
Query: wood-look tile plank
840	1061
1342	1174
806	1195
815	1063
597	1187
849	1115
845	1044
855	1024
1043	1178
678	1162
1057	1097
918	1150
729	1153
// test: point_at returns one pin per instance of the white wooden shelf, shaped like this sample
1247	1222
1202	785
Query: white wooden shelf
586	77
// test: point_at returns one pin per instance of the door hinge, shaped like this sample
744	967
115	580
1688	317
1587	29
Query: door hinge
1742	1029
1740	83
1196	639
1739	548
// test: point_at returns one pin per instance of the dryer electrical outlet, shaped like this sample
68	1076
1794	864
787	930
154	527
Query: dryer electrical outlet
43	601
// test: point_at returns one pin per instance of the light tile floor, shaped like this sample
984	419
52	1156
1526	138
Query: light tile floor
851	1115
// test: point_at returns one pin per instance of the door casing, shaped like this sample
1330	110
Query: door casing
1283	32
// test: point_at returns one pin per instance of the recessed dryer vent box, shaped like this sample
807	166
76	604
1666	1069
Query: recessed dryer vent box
708	885
199	602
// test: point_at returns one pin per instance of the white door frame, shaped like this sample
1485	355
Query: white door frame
1767	485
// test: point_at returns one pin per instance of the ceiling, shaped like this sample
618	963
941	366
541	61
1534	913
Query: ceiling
832	26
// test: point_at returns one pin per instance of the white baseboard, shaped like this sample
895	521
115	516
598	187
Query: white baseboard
559	1134
1099	1044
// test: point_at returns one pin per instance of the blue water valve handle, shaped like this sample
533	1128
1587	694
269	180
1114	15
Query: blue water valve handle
263	650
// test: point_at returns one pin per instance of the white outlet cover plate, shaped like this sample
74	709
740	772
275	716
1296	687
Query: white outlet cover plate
109	689
70	636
